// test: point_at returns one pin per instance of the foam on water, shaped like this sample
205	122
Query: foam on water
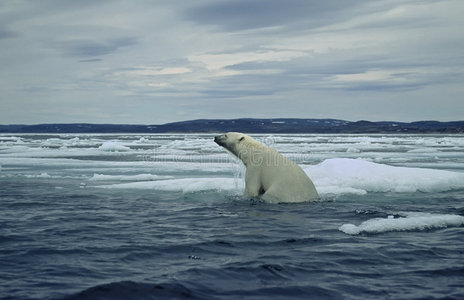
409	221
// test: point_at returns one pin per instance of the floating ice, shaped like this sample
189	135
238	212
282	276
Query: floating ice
353	150
142	140
424	150
113	146
131	166
59	142
332	176
185	185
15	150
41	175
338	190
196	155
138	177
409	221
341	175
9	138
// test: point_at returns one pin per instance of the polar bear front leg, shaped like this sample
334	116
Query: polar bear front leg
253	186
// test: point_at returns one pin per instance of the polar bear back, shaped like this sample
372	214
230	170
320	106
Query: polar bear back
281	180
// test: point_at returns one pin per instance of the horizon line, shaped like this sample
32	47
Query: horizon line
221	119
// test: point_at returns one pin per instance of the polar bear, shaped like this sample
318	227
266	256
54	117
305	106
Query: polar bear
268	173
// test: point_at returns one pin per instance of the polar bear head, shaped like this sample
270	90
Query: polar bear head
241	145
231	141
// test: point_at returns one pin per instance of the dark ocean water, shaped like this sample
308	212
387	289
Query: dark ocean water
62	236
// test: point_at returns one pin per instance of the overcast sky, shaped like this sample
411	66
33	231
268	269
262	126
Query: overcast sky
153	62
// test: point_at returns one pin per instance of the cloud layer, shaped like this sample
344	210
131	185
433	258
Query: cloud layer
155	62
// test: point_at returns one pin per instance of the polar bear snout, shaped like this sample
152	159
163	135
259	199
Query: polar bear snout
220	140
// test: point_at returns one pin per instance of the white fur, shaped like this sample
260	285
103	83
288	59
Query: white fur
268	173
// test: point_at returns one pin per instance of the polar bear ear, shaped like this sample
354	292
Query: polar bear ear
241	139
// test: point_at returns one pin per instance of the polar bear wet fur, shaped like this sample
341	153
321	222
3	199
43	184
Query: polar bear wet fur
268	173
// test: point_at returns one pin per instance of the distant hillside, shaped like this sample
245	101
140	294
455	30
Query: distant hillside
248	125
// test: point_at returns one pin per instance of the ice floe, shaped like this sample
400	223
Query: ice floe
340	175
406	222
185	185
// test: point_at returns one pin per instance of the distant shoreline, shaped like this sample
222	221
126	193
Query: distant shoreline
275	125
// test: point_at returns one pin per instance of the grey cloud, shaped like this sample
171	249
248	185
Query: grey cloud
92	48
249	86
382	87
5	34
220	93
90	60
306	73
251	14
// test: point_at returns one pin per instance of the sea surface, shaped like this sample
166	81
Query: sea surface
162	217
